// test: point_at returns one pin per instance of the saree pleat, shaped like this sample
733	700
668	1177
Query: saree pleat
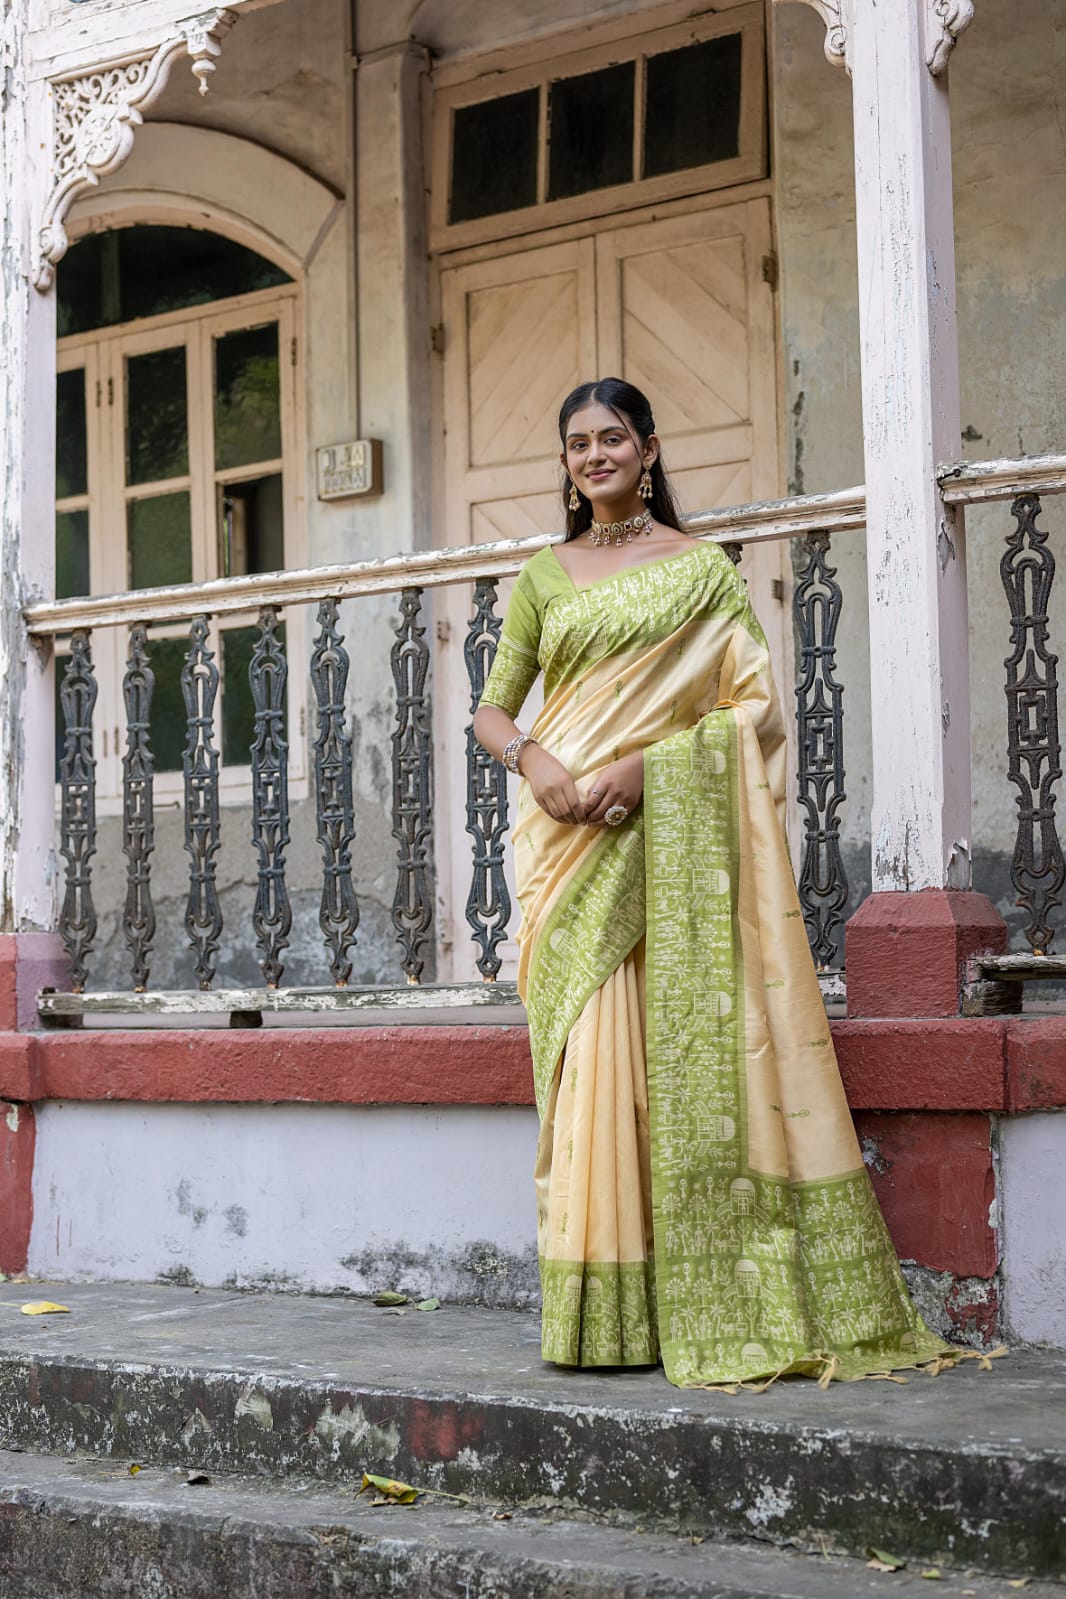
593	1180
701	1193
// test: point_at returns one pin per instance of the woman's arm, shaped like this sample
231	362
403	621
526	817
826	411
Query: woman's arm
550	783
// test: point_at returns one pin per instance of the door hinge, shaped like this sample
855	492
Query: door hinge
110	391
769	271
444	630
292	350
99	393
777	589
436	338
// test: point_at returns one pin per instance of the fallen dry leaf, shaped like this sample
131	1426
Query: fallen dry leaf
933	1574
881	1560
134	1470
391	1491
1019	1582
389	1296
428	1304
44	1307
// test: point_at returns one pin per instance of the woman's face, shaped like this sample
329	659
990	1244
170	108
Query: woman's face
603	457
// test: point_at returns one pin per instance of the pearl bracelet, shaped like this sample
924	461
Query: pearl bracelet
514	749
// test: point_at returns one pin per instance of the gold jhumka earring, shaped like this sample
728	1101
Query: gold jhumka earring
574	502
645	490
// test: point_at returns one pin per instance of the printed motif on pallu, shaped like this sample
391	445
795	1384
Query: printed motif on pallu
755	1273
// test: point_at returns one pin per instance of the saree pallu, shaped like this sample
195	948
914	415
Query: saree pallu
701	1193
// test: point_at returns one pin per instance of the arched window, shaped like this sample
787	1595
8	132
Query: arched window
175	459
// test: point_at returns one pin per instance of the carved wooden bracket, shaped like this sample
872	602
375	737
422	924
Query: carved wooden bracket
97	114
945	20
833	14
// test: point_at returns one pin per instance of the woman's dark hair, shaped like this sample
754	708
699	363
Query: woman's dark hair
632	407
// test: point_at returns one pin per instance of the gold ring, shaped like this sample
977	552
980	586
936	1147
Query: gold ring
615	816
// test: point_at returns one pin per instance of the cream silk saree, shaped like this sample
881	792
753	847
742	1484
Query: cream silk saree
701	1194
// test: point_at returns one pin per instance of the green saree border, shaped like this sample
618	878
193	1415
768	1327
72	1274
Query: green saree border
756	1274
596	920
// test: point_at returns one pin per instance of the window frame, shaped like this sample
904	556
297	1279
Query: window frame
469	83
102	352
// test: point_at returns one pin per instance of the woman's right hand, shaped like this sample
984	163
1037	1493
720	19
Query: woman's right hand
551	785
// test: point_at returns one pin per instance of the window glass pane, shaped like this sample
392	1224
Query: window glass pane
238	714
494	156
591	131
692	109
167	723
71	455
247	404
251	529
159	541
127	273
72	554
157	429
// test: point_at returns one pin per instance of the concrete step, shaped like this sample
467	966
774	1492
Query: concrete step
967	1469
75	1529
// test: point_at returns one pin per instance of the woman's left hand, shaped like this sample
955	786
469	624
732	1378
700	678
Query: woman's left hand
621	783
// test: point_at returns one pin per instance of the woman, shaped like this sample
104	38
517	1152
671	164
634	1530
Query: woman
701	1194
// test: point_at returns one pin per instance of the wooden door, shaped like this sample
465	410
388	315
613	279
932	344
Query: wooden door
519	333
684	313
680	308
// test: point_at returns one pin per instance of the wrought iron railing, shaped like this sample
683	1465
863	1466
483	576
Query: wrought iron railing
816	608
1034	756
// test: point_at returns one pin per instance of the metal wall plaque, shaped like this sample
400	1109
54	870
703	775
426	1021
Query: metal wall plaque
345	470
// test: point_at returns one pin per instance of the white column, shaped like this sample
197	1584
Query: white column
920	825
27	489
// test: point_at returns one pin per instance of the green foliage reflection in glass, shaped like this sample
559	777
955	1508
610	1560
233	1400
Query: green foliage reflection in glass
247	404
71	453
72	554
159	536
167	723
157	429
238	712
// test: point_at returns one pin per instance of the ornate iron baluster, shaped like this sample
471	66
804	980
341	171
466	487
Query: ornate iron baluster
138	823
1033	751
412	907
272	915
488	907
823	884
77	780
203	913
338	916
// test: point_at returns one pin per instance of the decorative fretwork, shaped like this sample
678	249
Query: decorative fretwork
488	907
203	913
98	113
138	833
339	913
823	884
412	909
1033	752
272	915
77	824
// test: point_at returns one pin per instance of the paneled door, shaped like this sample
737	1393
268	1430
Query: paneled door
678	307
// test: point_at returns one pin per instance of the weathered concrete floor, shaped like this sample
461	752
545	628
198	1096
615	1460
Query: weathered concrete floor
75	1527
965	1469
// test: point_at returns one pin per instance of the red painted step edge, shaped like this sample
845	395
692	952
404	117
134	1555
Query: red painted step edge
890	1064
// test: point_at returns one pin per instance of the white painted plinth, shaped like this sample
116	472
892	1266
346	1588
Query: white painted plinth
435	1200
1033	1156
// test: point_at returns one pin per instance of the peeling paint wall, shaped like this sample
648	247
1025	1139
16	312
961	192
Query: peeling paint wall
319	1198
1008	87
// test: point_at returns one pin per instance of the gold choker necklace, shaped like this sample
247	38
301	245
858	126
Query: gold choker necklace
616	532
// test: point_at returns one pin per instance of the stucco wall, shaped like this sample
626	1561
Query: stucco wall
1007	88
323	1198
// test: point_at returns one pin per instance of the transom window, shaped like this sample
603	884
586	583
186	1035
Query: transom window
175	454
673	111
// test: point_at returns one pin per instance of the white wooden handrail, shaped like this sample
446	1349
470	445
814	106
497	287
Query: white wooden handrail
745	524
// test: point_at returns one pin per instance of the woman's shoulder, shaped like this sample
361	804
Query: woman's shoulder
542	575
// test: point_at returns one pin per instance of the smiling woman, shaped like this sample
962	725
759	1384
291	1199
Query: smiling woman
701	1194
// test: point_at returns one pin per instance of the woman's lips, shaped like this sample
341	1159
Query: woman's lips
597	477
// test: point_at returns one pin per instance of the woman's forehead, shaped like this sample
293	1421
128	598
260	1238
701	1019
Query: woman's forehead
595	418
